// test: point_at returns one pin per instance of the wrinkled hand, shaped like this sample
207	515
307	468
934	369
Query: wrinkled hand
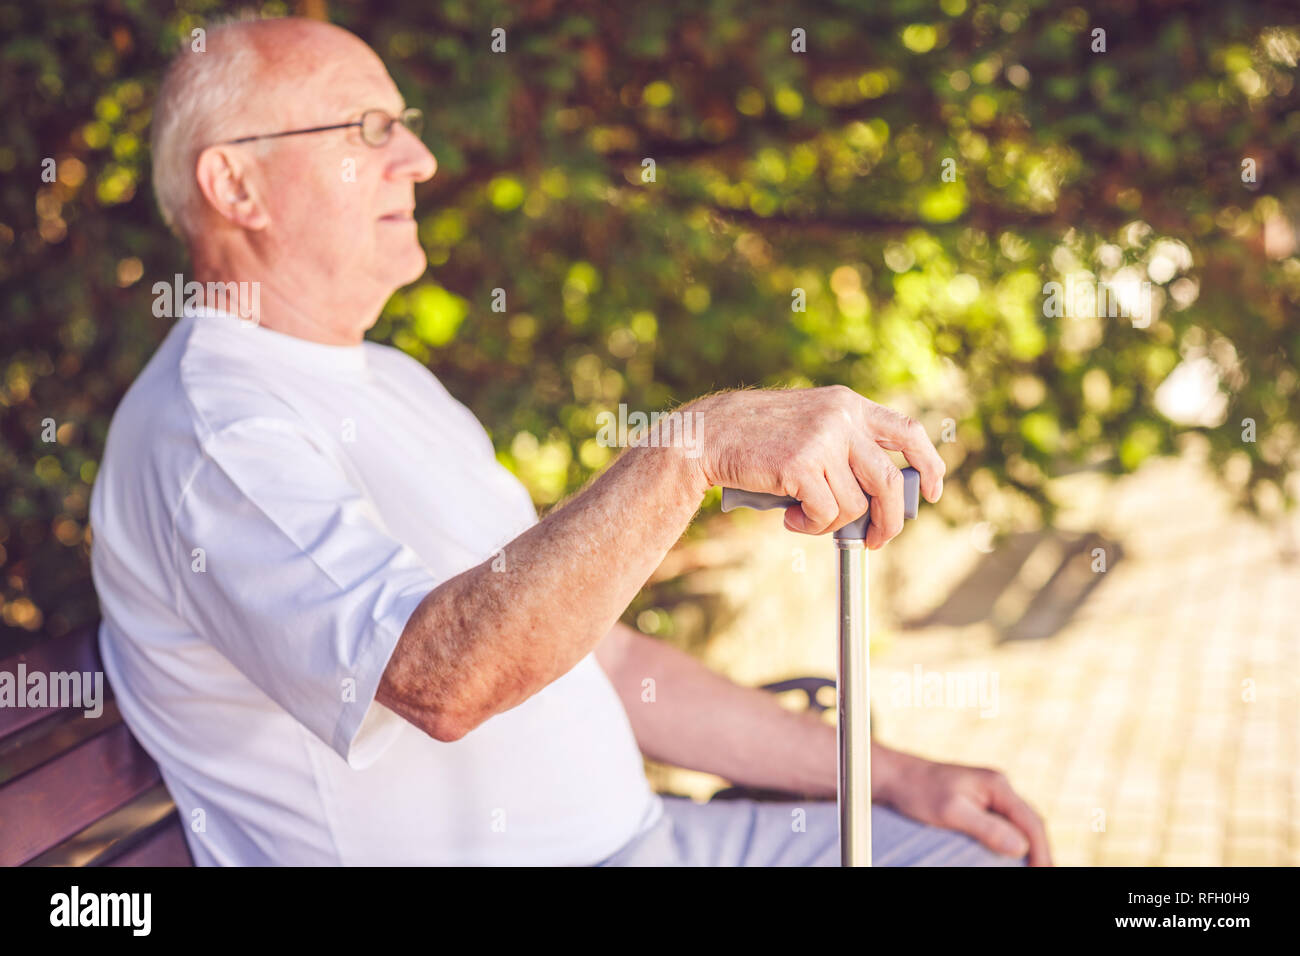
825	447
972	800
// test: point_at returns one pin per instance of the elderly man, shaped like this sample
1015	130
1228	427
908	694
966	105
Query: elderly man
334	619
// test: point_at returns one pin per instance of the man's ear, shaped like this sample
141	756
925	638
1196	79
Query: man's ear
224	177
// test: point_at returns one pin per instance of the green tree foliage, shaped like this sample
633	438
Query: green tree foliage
920	171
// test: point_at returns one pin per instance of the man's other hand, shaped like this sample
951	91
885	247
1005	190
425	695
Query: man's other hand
972	800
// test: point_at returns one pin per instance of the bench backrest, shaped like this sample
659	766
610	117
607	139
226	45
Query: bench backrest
77	790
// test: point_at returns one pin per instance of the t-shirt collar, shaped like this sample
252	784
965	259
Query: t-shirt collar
278	346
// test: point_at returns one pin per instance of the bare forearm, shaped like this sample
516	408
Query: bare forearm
488	639
700	720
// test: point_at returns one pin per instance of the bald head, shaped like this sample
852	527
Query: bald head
284	155
235	84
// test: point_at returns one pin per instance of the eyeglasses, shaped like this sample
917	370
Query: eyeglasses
376	127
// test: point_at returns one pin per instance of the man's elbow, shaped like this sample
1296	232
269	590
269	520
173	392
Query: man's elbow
449	728
444	721
453	719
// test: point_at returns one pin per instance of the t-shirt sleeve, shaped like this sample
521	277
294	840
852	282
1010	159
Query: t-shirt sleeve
290	572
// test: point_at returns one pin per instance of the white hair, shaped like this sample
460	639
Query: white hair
200	102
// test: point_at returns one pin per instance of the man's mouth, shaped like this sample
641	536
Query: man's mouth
401	215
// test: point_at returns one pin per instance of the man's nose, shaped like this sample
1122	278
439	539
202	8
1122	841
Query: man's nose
411	159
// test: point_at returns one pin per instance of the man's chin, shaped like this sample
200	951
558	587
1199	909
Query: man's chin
408	268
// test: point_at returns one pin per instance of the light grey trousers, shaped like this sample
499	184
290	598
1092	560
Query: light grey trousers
750	833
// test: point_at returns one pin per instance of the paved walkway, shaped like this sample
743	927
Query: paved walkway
1158	723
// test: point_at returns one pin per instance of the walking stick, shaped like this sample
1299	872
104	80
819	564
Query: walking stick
853	673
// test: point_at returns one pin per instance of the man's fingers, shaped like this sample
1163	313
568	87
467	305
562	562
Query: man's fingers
849	496
899	433
880	478
994	831
818	508
1009	803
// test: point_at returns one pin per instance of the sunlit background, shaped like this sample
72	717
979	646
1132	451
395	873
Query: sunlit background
914	179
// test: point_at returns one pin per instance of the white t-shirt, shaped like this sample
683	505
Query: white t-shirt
268	514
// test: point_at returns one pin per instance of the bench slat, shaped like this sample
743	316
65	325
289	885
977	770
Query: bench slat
45	741
50	803
166	847
78	651
115	834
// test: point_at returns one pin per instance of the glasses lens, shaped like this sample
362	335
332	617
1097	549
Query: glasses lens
375	126
413	120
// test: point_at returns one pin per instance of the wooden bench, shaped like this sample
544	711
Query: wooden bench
77	790
81	791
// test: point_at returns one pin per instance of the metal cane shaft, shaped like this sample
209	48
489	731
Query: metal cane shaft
854	668
854	692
